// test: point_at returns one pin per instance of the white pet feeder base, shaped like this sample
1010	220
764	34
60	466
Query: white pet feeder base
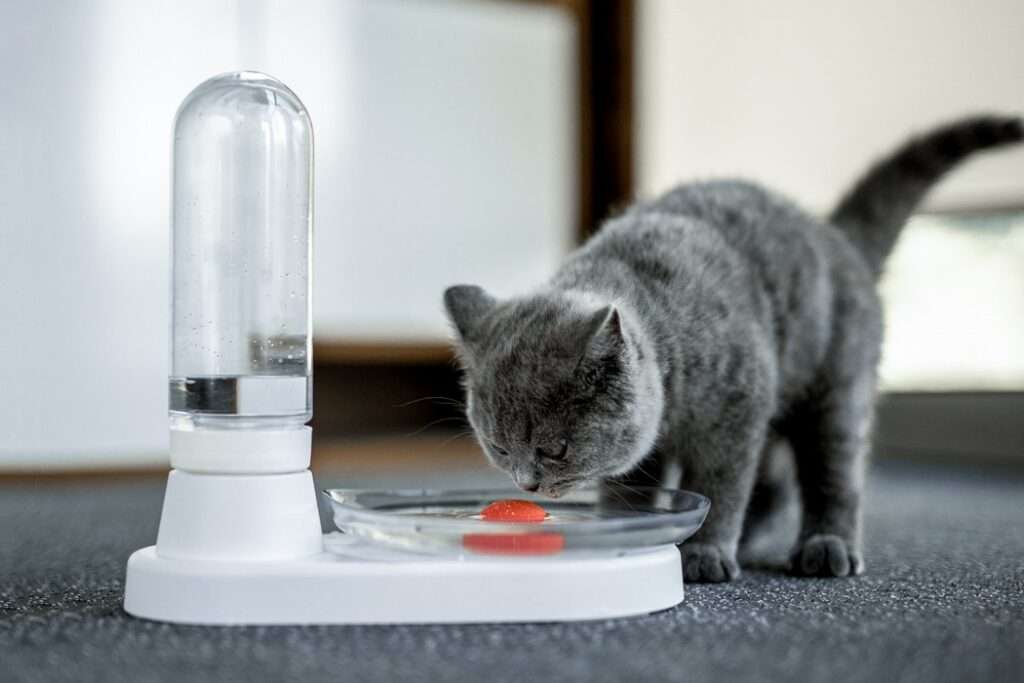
241	548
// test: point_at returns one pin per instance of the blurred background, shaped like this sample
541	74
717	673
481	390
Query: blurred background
480	141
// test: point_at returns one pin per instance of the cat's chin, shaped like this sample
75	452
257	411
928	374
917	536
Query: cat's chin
557	490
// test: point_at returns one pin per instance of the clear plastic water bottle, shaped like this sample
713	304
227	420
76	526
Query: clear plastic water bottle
240	492
242	224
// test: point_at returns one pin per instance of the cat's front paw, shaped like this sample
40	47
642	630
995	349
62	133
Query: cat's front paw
827	555
704	562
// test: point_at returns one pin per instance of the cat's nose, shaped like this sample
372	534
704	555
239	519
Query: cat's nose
526	482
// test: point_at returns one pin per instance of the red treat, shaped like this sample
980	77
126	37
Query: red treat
514	544
513	511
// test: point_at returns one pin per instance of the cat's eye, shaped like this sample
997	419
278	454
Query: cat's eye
559	454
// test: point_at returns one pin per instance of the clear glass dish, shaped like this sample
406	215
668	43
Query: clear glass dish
448	523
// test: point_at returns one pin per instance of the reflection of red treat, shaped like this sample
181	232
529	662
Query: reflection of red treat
514	544
513	511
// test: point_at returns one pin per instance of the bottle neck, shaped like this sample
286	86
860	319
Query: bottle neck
241	451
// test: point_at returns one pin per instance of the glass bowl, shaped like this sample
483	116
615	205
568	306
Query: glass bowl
448	523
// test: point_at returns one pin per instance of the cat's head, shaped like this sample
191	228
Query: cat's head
559	390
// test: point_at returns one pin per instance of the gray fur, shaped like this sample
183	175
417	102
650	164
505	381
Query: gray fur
704	328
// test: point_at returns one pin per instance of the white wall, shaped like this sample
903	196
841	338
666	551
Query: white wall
802	94
447	151
89	93
445	146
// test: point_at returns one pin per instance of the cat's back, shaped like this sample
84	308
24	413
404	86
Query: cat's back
750	218
741	234
788	258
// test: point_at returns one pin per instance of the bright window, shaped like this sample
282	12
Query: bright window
954	299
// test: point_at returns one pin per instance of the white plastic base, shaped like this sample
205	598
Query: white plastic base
336	588
239	517
246	548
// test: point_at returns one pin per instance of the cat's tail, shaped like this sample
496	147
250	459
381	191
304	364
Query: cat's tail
874	211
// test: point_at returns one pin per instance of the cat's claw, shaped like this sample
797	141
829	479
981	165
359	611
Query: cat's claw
707	563
827	555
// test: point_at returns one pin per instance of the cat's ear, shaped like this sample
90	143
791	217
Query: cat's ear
466	306
602	332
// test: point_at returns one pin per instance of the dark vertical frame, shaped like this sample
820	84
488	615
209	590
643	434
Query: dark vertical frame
606	90
363	383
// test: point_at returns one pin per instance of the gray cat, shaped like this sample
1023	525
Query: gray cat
695	332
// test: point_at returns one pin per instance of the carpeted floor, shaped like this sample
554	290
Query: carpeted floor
942	600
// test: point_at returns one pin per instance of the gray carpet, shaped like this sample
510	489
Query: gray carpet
943	600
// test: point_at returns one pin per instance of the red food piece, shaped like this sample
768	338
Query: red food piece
513	511
514	544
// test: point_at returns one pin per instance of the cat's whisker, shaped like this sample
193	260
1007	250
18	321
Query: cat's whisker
456	437
441	400
618	494
434	423
641	470
439	452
